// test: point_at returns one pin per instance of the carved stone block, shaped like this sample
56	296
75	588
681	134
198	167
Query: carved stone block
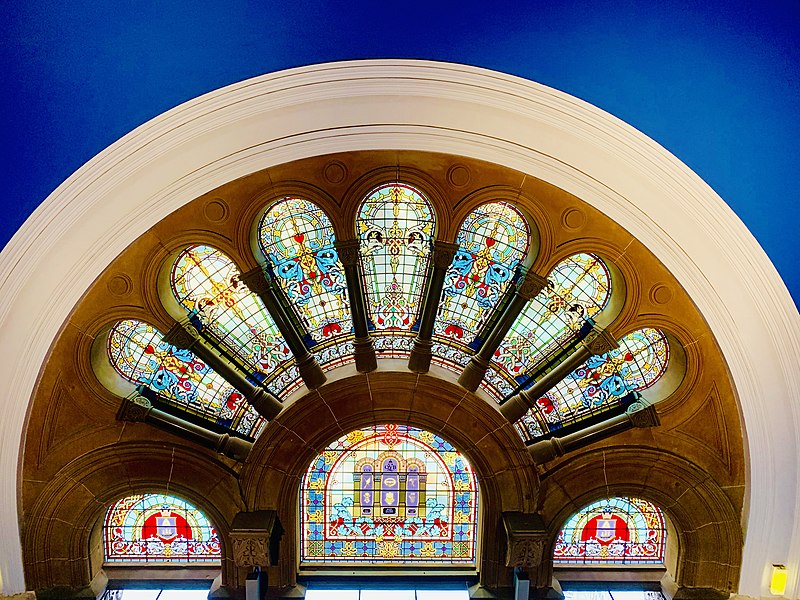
527	537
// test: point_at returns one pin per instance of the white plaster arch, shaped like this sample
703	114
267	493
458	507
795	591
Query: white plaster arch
418	105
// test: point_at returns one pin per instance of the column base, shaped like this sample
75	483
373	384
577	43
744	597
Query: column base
364	353
473	373
311	372
420	359
266	404
514	408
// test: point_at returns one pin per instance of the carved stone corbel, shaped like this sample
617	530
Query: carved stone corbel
255	537
527	537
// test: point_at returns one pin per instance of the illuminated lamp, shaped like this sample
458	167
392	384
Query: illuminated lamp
777	586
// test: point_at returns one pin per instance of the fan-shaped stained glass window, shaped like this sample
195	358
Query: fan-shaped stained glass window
156	528
492	242
577	289
138	352
395	225
613	531
297	239
390	495
601	383
207	285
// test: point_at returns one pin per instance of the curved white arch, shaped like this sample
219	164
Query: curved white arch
417	105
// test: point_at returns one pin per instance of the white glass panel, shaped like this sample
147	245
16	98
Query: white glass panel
387	594
332	595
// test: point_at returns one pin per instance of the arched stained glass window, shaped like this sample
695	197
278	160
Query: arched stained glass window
157	528
389	495
297	239
138	352
395	225
613	531
492	242
577	289
207	284
601	383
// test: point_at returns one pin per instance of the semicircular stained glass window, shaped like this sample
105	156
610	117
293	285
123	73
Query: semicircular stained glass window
578	288
613	531
492	242
603	382
395	225
389	495
157	528
207	284
297	239
137	351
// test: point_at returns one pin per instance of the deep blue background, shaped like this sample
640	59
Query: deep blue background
716	83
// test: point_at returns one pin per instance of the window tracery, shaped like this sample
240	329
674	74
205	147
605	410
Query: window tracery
389	494
395	224
160	529
613	531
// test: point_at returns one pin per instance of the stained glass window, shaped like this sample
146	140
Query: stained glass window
600	383
395	225
138	352
207	285
492	242
390	495
297	239
613	531
157	528
577	289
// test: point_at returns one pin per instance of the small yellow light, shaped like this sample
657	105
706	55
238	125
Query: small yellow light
777	586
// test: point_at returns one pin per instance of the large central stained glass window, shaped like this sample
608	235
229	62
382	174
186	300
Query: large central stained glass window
158	528
395	225
390	495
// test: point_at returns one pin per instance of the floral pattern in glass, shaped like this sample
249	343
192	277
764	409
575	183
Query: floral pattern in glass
297	239
577	289
137	351
161	529
207	284
601	382
613	531
492	242
395	225
389	495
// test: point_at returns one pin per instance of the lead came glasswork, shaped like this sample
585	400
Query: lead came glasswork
613	531
207	284
493	241
395	225
161	529
138	352
297	239
578	288
601	382
392	495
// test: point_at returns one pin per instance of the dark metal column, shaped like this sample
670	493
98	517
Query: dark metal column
264	401
443	253
258	283
476	369
364	351
598	342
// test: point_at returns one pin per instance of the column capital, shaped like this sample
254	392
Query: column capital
348	251
255	536
256	280
531	285
527	537
443	254
599	341
134	409
181	337
642	415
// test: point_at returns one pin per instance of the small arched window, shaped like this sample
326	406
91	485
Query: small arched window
577	289
395	224
389	495
158	529
296	238
137	352
601	383
613	531
493	242
207	284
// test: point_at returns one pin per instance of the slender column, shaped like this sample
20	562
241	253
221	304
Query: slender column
598	342
476	369
638	415
258	283
140	410
364	351
265	403
443	253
